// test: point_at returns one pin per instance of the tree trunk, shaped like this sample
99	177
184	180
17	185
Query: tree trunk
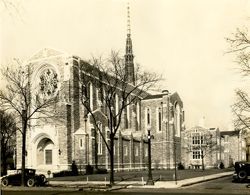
24	129
4	160
111	160
202	160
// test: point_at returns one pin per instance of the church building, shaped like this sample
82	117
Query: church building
54	145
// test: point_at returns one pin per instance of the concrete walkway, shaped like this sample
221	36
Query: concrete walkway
140	184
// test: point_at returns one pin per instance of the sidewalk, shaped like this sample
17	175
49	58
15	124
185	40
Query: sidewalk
138	184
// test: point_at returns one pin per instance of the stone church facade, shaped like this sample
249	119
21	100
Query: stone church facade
55	144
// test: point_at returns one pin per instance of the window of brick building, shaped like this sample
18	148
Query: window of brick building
99	97
81	143
99	140
159	119
202	139
148	117
136	151
128	114
146	151
197	138
197	154
125	151
177	117
138	109
91	95
116	104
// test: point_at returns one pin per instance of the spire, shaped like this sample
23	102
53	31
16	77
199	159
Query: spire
129	57
128	20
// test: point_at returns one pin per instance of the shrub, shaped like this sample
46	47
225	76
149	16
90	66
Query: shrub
180	166
222	165
63	173
101	171
89	169
74	168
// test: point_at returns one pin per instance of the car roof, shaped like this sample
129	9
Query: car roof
27	169
245	162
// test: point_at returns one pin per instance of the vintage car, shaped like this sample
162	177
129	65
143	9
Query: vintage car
242	171
30	178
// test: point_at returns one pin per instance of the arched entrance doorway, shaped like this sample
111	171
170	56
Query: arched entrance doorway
44	152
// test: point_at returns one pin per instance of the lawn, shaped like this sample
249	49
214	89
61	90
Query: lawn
162	175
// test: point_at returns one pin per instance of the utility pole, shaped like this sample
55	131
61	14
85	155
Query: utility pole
175	161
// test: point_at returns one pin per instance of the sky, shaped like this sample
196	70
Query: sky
184	40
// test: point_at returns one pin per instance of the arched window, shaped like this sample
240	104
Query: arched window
159	119
138	114
116	104
99	139
84	92
80	143
89	95
104	100
128	114
177	120
148	117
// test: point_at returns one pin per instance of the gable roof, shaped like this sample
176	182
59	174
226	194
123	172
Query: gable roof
230	133
45	53
173	98
176	98
80	131
149	97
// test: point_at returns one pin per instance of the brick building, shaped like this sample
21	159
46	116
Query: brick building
164	114
197	142
220	146
233	147
54	145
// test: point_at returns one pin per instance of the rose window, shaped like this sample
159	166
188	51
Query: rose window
48	82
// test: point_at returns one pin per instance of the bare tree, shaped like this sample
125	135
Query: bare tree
114	96
7	133
241	111
200	144
13	8
239	45
26	101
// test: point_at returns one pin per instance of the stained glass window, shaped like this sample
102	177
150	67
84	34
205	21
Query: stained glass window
48	82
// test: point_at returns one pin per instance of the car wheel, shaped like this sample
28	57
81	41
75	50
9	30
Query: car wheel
42	179
242	175
5	182
30	182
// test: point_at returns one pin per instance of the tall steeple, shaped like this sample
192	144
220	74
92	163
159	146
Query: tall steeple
129	57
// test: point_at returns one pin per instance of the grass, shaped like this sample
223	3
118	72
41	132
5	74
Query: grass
162	175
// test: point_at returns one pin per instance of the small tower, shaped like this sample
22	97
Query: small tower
129	57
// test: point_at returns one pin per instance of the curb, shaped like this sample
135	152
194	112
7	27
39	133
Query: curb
208	179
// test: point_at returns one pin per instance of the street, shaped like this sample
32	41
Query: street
221	186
